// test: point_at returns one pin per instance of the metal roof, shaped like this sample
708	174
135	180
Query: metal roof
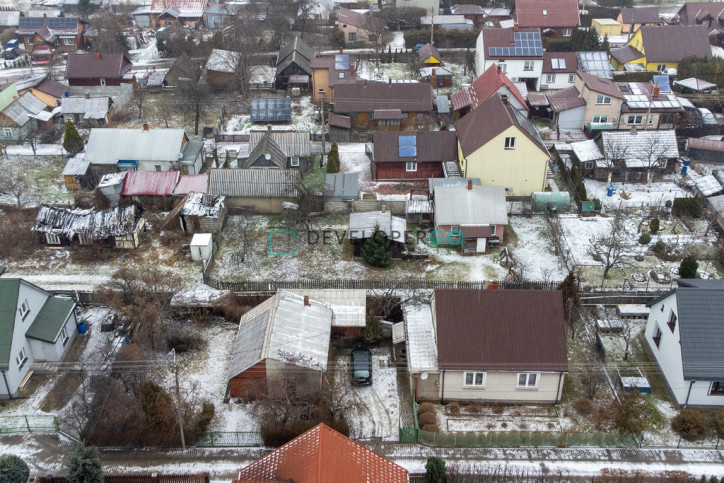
31	103
9	19
50	319
349	306
188	183
154	183
696	84
9	289
76	166
271	109
420	338
595	63
435	182
91	108
16	113
108	146
342	185
99	225
268	151
187	8
443	104
481	205
641	148
419	207
362	225
265	183
292	143
702	332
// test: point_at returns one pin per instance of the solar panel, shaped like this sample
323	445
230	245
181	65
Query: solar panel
408	151
341	62
62	22
31	22
663	82
407	141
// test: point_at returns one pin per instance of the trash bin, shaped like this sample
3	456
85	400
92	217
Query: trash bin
82	329
684	169
610	190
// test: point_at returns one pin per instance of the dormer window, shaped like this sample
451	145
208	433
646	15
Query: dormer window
545	13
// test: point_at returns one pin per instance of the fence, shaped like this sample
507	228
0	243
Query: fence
396	208
230	439
36	423
409	434
516	439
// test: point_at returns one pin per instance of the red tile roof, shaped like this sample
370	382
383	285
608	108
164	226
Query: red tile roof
155	183
488	84
192	183
322	455
547	13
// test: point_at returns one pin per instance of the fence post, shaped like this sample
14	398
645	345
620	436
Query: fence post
211	435
27	424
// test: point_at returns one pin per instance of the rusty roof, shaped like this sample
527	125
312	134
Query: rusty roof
439	146
369	96
513	330
94	66
547	13
156	183
322	455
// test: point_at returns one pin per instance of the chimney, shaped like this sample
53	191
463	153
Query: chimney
655	91
97	54
268	128
87	95
306	301
515	27
389	81
341	51
633	130
504	97
470	184
351	70
45	20
384	209
365	82
145	126
499	69
433	78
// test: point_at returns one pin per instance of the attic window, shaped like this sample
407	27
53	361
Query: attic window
24	310
545	13
558	63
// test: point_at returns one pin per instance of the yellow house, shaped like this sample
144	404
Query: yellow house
47	90
606	26
497	144
656	49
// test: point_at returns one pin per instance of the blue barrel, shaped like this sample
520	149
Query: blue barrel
684	169
610	190
686	161
82	329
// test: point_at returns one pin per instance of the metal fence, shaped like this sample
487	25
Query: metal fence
515	439
36	423
230	439
409	434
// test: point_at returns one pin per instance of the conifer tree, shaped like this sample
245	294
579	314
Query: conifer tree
376	249
72	141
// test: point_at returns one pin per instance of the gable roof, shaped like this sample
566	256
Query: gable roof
270	150
604	86
283	328
222	61
505	38
98	225
48	27
109	145
692	13
640	15
671	43
105	65
186	8
9	289
356	19
702	331
266	183
637	148
547	13
426	51
486	85
491	118
50	319
292	143
55	89
89	108
470	335
192	183
565	99
295	51
154	183
560	62
626	54
322	455
369	96
435	146
481	205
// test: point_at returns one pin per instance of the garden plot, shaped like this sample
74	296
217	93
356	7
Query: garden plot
303	119
635	195
40	177
476	417
533	249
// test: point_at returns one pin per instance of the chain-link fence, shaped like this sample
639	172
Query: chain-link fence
230	439
515	439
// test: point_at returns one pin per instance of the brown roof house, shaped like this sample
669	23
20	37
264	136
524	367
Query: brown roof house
490	82
359	27
411	155
97	69
559	70
322	455
555	18
603	101
46	37
487	345
632	19
173	13
658	49
385	106
331	71
708	14
293	67
429	55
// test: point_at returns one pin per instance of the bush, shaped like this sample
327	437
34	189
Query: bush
668	204
654	225
203	418
427	418
431	428
688	267
274	434
372	332
84	466
454	408
659	247
690	424
628	415
156	405
693	207
376	249
425	407
435	471
333	163
72	141
13	470
644	239
185	342
584	406
719	423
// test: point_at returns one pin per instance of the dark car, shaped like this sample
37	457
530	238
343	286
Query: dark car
361	367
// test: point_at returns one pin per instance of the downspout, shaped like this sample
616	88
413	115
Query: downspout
7	387
691	384
442	387
560	377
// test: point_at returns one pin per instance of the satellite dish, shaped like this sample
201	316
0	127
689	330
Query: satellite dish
424	376
267	156
180	155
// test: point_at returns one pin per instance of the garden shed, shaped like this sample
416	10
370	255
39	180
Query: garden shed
202	247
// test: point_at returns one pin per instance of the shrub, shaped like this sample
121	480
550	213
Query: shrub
333	162
668	204
659	247
719	423
435	471
584	406
425	407
84	466
185	342
13	470
454	408
498	409
372	332
376	249
427	418
203	418
688	267
654	225
690	424
628	414
644	239
72	141
156	404
431	428
693	207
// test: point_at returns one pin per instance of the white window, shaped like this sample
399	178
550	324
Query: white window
633	119
64	336
7	132
600	99
103	81
474	379
661	67
528	65
503	68
388	122
510	143
571	78
21	358
588	165
567	32
492	230
69	41
52	239
410	166
550	78
527	380
295	161
24	310
545	12
600	118
341	75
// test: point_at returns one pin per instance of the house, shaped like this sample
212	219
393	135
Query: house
262	190
24	116
458	349
559	70
518	53
271	109
632	19
217	16
174	13
475	13
349	308
639	154
568	108
437	76
150	189
341	186
411	155
110	150
284	339
705	150
359	27
286	149
75	173
606	27
86	110
293	64
653	106
339	127
142	17
603	101
362	226
447	22
98	69
589	160
119	227
45	37
328	72
429	55
202	213
323	455
49	91
684	333
35	327
221	69
385	106
502	148
706	14
492	81
473	217
657	49
554	18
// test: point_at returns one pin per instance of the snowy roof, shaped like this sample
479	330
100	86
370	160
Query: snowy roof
284	329
91	108
696	84
76	166
222	61
633	309
108	146
349	306
421	343
446	20
439	71
111	179
718	203
707	185
362	225
154	183
187	8
480	205
641	148
507	24
199	297
99	225
201	204
586	150
419	206
16	113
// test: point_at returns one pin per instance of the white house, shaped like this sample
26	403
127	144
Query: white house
685	333
518	52
34	327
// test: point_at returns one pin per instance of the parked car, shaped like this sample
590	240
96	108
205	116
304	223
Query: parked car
361	367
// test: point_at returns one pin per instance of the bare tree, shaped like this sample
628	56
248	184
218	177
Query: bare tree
165	110
627	334
592	376
33	139
614	153
654	153
139	99
611	248
14	182
304	12
242	40
377	34
307	200
193	91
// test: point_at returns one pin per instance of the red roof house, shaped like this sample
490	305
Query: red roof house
98	69
322	455
555	18
488	83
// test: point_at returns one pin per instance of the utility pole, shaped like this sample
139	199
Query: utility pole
178	399
432	25
324	145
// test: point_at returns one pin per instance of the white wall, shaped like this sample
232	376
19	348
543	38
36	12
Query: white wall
560	81
572	118
514	69
503	386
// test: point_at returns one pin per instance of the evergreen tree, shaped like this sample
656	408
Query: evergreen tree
605	45
591	42
435	471
72	142
333	159
372	333
84	465
14	469
688	267
376	249
571	300
654	225
336	36
578	38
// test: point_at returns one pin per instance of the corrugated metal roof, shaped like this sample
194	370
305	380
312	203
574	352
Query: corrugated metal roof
187	8
92	108
342	185
702	332
362	225
50	319
249	346
76	166
337	120
266	183
348	305
99	225
9	289
292	143
271	109
435	182
269	152
443	104
9	19
419	207
481	205
420	339
188	183
368	96
155	183
706	144
16	113
31	103
108	146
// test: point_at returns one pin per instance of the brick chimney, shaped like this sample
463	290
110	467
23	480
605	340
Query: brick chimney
515	27
389	81
306	301
470	185
97	54
433	78
45	20
268	128
87	95
145	126
341	51
499	69
504	97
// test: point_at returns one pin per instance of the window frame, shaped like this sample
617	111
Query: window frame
64	337
103	81
550	78
24	309
419	116
661	67
602	100
492	230
20	361
528	65
475	384
527	385
52	239
411	166
601	118
671	323
716	388
571	78
657	335
635	119
503	68
510	142
371	116
588	165
68	41
352	36
294	162
352	116
567	32
7	132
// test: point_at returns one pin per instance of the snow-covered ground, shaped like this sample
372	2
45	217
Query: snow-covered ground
303	119
534	250
398	40
635	195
